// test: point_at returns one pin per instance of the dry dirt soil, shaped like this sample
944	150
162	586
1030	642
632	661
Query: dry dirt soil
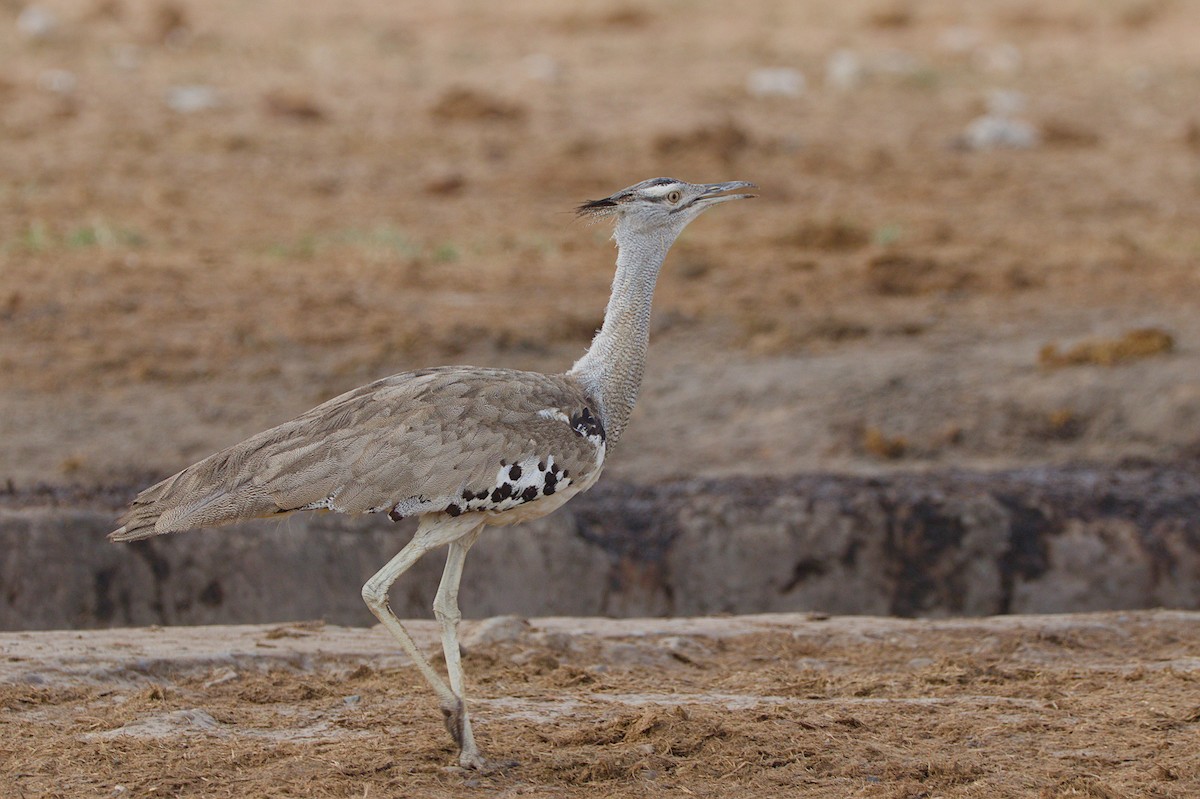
214	215
364	187
1102	706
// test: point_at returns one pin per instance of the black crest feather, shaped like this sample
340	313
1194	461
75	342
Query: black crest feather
595	207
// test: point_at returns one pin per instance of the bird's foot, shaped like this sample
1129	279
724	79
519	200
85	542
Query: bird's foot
469	759
473	761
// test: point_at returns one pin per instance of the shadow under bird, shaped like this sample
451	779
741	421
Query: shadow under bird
461	447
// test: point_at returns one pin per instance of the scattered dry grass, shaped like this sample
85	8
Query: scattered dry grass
954	713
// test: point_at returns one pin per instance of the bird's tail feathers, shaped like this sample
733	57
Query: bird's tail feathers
186	501
137	523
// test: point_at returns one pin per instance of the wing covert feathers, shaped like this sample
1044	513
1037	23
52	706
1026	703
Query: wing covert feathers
410	443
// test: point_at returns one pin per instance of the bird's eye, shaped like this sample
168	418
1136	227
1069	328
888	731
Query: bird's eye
674	196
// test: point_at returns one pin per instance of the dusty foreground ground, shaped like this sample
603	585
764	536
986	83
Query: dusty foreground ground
1102	705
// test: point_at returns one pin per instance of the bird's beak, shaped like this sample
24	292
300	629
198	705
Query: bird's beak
716	192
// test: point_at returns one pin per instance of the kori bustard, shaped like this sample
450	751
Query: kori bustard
460	447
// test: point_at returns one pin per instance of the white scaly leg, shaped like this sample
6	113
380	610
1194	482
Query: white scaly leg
433	532
445	608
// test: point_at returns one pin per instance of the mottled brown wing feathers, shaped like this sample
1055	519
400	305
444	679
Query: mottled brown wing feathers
420	438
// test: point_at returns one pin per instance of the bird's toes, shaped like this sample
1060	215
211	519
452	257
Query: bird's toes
473	761
477	763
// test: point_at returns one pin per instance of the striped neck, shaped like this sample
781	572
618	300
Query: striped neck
612	368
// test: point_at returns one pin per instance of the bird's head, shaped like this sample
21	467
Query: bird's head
661	205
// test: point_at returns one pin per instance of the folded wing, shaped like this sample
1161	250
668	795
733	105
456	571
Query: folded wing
453	439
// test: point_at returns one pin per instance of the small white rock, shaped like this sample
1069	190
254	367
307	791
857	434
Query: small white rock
59	81
193	719
541	67
776	82
222	676
496	630
192	98
686	648
990	132
35	22
843	70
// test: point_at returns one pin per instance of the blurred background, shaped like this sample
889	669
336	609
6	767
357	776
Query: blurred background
976	246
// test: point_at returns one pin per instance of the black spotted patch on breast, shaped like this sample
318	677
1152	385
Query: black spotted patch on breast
586	424
517	482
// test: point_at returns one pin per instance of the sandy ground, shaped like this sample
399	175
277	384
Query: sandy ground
1102	705
364	187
